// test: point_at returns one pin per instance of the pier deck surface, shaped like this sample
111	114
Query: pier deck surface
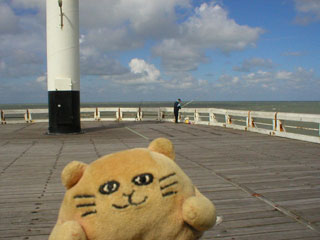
264	187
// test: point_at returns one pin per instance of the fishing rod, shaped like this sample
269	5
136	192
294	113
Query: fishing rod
181	116
187	103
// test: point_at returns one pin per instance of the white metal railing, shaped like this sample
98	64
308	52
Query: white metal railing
298	126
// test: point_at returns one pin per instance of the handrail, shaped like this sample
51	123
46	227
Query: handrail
299	126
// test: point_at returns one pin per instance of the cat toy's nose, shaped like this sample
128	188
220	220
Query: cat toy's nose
128	195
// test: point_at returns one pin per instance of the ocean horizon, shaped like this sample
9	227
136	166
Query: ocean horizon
311	107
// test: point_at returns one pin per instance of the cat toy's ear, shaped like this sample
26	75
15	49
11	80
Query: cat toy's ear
72	173
164	146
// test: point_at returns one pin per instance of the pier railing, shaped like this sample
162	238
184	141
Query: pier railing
298	126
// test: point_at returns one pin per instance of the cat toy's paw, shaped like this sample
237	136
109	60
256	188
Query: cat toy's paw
70	230
199	212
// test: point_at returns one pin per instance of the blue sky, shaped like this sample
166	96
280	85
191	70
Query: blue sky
142	50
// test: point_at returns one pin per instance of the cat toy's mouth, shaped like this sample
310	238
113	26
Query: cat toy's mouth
131	203
120	207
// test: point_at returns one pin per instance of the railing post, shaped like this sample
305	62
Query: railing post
139	114
163	115
3	119
196	116
250	121
280	126
119	115
160	114
274	123
212	118
97	114
27	116
228	119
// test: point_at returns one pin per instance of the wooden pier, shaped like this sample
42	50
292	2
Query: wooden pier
264	187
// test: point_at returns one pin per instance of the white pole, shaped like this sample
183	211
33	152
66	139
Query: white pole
63	71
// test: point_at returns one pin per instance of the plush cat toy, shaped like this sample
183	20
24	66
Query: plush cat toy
137	194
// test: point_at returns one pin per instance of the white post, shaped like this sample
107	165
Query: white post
228	119
274	122
119	114
212	119
280	127
3	119
196	116
26	116
97	114
63	65
250	120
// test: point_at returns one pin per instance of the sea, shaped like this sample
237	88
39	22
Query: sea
311	107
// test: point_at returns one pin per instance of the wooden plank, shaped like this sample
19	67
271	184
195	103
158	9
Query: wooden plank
230	167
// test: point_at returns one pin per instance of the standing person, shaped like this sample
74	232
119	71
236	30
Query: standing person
177	107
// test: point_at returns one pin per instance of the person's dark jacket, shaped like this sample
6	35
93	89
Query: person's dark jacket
177	106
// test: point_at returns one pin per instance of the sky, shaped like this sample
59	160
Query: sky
161	50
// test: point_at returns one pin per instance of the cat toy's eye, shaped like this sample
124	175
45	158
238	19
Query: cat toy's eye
109	187
143	179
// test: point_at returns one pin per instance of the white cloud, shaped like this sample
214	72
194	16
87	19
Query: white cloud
308	6
179	57
209	28
144	76
34	4
22	40
107	39
98	64
8	20
184	81
148	72
141	73
283	75
253	63
293	53
3	66
140	15
308	11
277	81
113	31
36	8
115	26
122	25
22	57
41	79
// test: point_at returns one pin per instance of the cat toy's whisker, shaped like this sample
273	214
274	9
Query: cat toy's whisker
89	213
84	196
168	176
169	185
168	193
86	205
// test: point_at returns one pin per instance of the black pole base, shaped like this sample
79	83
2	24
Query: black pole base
64	112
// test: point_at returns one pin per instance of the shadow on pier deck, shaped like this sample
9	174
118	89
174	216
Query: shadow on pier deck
264	187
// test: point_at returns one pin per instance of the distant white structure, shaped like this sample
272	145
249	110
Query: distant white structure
63	66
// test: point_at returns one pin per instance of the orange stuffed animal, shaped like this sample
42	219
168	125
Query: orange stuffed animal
137	194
